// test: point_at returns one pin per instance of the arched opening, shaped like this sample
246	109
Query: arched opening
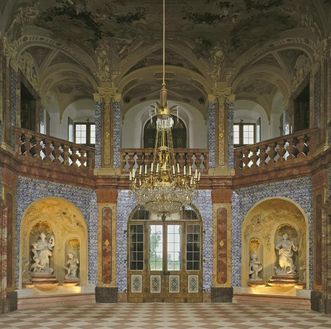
165	256
53	244
179	133
275	245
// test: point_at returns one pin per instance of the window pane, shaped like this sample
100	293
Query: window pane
136	247
80	133
156	248
248	131
236	134
92	133
193	247
173	247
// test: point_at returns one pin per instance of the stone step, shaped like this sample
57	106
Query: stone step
49	301
272	300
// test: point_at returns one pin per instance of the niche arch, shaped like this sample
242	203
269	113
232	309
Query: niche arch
66	223
264	222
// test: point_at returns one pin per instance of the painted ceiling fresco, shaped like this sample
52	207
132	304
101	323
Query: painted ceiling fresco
211	35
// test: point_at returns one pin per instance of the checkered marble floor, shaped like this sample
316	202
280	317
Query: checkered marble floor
157	315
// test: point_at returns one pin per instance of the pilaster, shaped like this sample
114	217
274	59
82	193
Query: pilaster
108	130
220	133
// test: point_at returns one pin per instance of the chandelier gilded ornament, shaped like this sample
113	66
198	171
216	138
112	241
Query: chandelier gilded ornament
164	186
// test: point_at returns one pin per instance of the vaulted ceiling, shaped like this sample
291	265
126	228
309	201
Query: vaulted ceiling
252	45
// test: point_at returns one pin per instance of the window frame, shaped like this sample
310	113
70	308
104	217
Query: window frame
88	133
241	133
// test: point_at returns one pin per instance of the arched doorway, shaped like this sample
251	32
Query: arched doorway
165	256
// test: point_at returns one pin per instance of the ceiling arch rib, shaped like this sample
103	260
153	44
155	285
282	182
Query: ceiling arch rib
151	71
62	69
127	65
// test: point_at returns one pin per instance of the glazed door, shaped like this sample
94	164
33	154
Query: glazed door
169	268
164	274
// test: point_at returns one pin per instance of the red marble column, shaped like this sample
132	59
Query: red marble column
3	254
106	245
221	231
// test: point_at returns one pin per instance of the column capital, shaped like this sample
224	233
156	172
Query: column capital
222	93
107	94
10	52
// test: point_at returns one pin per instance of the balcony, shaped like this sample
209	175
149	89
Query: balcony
134	158
44	151
285	152
278	158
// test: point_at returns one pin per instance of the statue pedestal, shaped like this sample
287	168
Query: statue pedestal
256	283
71	282
44	281
285	280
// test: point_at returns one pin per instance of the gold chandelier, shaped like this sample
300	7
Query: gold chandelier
164	186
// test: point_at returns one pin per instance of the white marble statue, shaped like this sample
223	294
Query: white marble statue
42	251
285	249
255	267
72	267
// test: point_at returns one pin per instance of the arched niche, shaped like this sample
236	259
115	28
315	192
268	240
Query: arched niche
265	223
63	220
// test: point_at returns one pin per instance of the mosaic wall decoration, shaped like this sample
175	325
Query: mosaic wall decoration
106	245
298	190
212	121
30	190
98	133
116	109
126	203
221	229
229	114
3	252
317	98
318	240
13	106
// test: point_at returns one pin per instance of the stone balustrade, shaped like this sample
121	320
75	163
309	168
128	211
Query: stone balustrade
46	149
277	151
133	158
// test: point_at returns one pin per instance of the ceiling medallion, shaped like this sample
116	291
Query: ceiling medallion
164	186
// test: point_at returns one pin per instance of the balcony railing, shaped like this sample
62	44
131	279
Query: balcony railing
46	149
277	151
133	158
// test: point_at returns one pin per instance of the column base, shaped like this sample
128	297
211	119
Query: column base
221	295
316	301
106	294
10	303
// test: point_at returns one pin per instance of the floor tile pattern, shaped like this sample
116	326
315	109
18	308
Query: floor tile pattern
158	315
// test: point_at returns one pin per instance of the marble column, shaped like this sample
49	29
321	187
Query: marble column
106	290
222	286
3	257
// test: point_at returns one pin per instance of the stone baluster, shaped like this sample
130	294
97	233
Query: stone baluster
302	147
281	150
254	157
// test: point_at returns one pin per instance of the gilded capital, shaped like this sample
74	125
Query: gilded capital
107	95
